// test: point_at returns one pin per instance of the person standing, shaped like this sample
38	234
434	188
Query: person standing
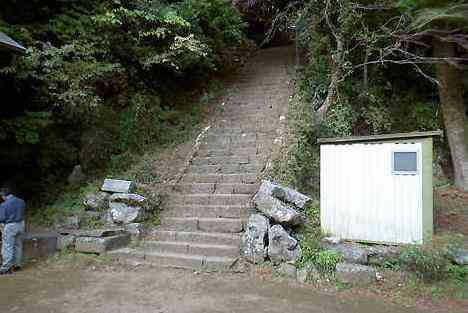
12	216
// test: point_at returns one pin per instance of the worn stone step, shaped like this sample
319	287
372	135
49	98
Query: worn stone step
249	126
224	160
219	152
214	145
196	237
246	178
208	199
215	188
172	260
220	131
213	225
205	211
223	169
191	248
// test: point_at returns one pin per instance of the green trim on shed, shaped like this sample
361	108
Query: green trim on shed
427	190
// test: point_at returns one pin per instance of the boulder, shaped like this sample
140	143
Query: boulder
136	230
282	247
282	193
65	242
127	208
255	239
118	186
77	176
287	270
352	253
355	274
101	244
98	201
279	211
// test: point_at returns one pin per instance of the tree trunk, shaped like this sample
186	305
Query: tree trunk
451	99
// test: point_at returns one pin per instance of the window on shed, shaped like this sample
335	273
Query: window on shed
405	162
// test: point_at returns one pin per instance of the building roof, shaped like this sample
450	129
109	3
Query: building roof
386	137
9	44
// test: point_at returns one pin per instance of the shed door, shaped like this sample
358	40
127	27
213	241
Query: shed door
372	192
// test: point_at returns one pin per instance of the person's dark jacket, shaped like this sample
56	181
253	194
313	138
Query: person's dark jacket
12	210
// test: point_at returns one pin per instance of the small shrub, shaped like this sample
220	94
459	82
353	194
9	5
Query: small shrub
428	263
326	262
458	272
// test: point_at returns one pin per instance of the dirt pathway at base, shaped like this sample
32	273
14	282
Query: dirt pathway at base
168	291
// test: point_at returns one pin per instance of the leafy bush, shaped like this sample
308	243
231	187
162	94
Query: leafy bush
326	262
427	263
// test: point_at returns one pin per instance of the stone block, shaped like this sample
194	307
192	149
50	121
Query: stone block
355	274
118	186
282	247
255	239
127	208
351	252
38	245
101	244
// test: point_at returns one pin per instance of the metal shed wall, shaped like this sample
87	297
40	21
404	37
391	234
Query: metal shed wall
363	200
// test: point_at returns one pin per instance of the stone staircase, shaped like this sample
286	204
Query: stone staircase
204	214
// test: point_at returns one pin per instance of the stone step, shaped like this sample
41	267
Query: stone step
205	211
247	178
210	225
241	152
224	169
213	188
172	260
221	131
234	159
218	145
195	237
191	248
264	126
241	137
208	199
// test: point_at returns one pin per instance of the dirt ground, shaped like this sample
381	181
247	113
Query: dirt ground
451	211
170	291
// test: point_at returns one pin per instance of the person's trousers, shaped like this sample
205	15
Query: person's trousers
12	245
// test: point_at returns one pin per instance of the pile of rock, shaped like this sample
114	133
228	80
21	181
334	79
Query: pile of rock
270	231
117	207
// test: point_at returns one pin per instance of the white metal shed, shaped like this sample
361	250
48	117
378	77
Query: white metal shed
378	188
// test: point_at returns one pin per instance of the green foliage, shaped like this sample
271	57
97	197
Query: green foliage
326	262
25	129
428	263
311	235
458	273
103	79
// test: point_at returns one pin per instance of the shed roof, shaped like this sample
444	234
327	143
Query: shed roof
386	137
9	44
